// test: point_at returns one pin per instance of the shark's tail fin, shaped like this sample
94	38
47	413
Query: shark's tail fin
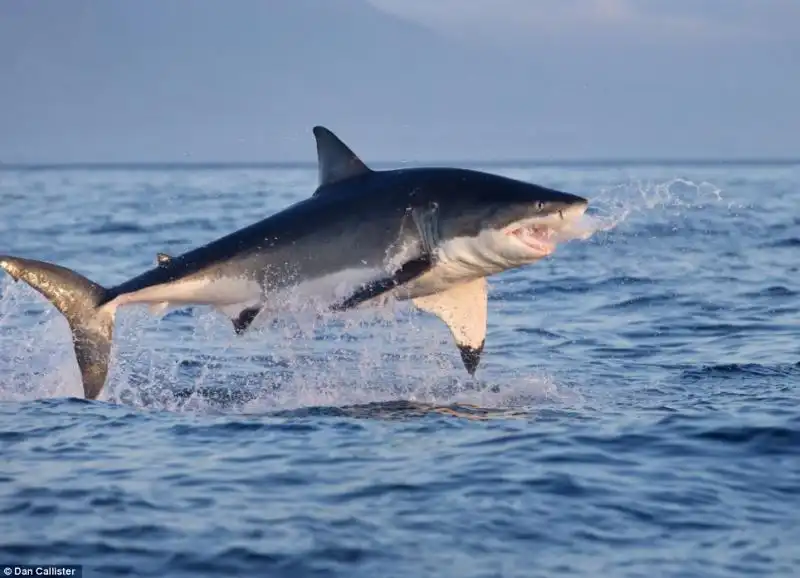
79	300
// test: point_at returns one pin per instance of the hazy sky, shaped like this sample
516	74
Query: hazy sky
670	21
245	80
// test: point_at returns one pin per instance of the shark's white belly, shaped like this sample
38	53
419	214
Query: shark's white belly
457	261
319	292
218	292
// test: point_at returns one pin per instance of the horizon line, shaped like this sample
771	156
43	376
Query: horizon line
574	162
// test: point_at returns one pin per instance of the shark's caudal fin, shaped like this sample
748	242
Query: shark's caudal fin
464	309
78	299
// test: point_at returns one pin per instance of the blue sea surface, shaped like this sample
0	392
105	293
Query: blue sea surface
635	415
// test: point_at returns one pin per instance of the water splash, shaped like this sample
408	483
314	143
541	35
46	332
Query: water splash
616	204
36	342
303	360
613	206
193	363
315	361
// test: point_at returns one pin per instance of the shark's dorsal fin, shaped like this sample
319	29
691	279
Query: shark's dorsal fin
464	309
162	259
336	161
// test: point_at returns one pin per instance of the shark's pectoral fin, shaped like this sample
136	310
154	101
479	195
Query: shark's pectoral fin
407	272
464	309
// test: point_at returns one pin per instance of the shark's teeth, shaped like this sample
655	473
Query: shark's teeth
539	238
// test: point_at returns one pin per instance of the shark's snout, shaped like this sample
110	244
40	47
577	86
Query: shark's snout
574	207
548	224
558	209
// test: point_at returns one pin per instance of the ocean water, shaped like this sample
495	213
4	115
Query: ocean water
635	414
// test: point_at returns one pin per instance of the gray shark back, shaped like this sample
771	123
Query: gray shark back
315	236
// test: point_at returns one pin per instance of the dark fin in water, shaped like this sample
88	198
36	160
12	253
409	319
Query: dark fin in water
464	309
336	161
78	299
240	315
408	272
471	356
162	259
245	319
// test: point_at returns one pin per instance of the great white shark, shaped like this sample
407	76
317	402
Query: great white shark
429	235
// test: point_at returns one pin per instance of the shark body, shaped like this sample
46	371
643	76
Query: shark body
429	235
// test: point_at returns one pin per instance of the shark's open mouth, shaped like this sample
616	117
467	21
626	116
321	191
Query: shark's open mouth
538	237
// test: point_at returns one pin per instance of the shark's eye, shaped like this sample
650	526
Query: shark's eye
540	205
